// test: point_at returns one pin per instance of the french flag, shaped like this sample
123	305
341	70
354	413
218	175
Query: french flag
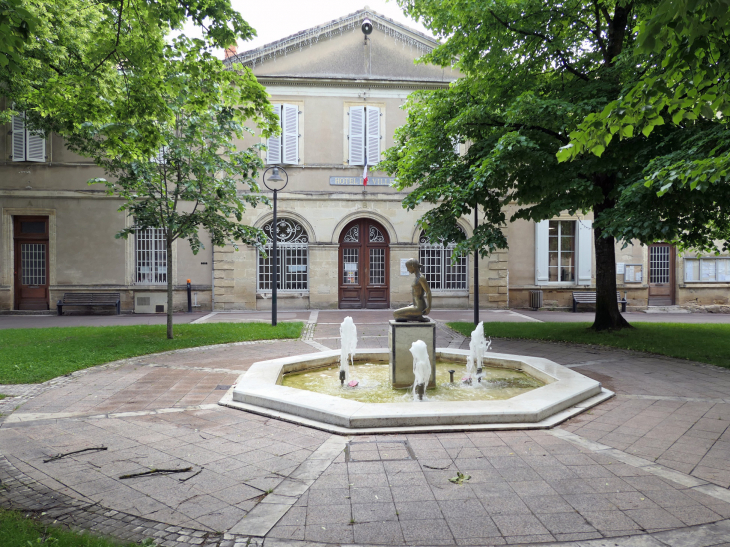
365	173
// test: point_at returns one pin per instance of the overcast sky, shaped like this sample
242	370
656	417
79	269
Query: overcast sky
276	19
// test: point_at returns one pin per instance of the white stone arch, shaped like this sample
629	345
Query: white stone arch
364	213
280	214
463	224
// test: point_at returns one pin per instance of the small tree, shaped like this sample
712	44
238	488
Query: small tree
181	174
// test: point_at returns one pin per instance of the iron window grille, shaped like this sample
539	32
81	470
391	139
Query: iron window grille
150	253
292	248
437	268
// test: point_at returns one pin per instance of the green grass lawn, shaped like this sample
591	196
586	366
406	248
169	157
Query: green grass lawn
704	342
29	356
18	531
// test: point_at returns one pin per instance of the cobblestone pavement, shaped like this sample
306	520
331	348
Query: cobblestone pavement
648	467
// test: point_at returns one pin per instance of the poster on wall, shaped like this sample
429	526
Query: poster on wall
403	268
633	273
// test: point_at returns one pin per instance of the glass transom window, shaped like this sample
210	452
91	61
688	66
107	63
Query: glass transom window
293	257
561	251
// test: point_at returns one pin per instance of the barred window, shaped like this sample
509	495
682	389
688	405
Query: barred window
150	255
437	268
293	257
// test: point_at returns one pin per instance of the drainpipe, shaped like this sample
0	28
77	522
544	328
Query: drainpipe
212	278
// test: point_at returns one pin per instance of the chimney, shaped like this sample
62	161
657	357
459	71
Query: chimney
231	51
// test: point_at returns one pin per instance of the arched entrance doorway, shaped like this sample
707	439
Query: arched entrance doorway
364	270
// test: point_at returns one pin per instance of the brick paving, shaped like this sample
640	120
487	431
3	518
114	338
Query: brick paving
651	462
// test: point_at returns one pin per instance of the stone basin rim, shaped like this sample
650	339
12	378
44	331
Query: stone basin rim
258	390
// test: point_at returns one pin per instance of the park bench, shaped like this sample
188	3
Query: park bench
89	299
590	298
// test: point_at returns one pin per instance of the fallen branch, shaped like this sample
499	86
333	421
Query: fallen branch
156	472
59	456
439	468
191	476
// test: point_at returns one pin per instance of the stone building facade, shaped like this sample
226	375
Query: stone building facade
342	243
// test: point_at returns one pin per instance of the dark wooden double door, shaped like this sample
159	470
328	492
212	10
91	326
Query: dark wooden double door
364	271
31	263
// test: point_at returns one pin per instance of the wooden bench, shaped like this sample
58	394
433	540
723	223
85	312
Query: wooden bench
590	298
89	299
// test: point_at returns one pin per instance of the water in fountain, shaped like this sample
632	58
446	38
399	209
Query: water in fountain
421	368
348	343
478	346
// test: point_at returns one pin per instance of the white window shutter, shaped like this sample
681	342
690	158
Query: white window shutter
290	134
542	231
273	144
36	148
373	115
585	255
357	135
19	138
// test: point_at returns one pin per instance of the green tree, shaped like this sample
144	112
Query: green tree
67	62
683	55
531	72
190	181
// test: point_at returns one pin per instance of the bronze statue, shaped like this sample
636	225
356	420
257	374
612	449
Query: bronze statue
421	296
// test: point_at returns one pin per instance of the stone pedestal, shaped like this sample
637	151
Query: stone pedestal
400	338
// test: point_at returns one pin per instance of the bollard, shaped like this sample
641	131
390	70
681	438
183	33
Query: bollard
190	301
451	376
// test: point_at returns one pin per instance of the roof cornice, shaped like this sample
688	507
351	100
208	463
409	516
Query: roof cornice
336	27
358	83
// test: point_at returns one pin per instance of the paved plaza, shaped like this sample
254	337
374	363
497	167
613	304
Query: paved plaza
649	467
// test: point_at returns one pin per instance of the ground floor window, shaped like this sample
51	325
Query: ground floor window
564	251
150	255
561	254
293	257
437	267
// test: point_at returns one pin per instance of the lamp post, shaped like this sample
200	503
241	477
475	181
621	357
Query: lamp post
274	183
476	269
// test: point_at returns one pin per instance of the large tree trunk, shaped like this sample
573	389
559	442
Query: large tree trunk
169	288
607	315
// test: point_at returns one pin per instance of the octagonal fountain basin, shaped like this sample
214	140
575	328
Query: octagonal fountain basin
519	392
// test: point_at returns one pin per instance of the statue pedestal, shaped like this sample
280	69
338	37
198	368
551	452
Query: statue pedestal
400	337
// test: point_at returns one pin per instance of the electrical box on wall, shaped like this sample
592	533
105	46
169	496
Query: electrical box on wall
150	302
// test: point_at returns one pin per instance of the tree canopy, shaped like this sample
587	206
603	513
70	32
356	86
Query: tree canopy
532	72
683	57
67	62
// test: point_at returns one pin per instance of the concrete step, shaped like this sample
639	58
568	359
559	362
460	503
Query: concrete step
666	309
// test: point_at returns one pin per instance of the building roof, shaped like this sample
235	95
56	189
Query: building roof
399	32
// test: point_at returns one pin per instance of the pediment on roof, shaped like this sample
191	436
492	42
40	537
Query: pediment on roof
338	50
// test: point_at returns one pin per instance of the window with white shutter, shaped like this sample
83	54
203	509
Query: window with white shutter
356	136
27	146
373	134
290	134
19	138
364	137
284	148
563	252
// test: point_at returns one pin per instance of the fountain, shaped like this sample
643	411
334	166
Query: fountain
511	392
348	345
478	347
421	368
